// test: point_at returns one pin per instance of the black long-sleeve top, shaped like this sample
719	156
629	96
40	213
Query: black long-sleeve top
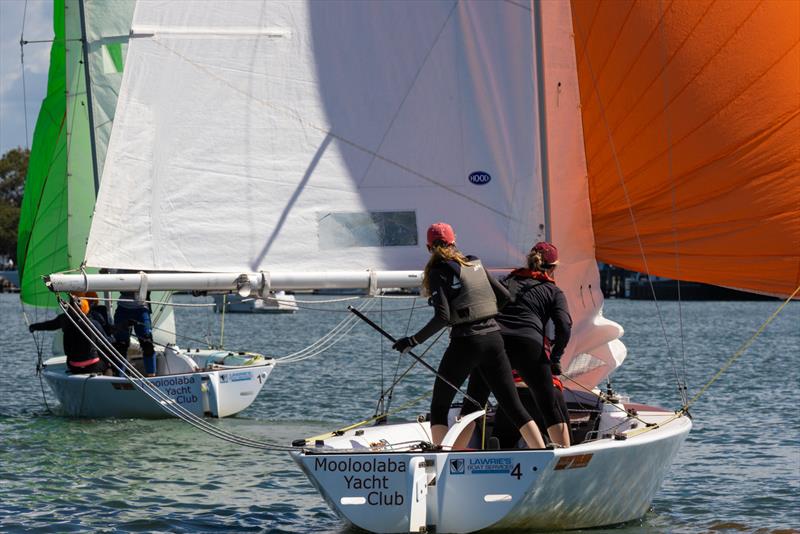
444	287
76	347
536	303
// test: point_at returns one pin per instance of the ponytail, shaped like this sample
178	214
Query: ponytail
440	252
536	262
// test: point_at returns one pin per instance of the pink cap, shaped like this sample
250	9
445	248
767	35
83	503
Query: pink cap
441	232
548	251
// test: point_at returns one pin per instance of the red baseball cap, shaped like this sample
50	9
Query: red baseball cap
441	232
548	251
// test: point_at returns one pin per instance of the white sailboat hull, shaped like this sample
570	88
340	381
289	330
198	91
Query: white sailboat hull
222	392
602	482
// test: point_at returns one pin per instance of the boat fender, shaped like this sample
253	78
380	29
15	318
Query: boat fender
299	443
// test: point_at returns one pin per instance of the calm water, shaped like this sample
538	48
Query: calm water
739	470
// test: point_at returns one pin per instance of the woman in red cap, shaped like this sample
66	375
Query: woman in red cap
535	300
465	297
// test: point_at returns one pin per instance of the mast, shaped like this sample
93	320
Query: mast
89	103
536	12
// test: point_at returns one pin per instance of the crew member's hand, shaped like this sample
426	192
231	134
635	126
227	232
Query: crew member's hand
555	368
405	344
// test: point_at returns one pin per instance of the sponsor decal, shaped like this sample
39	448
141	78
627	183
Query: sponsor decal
241	376
573	462
457	466
480	178
489	466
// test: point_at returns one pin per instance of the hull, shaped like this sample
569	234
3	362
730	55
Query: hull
381	488
220	392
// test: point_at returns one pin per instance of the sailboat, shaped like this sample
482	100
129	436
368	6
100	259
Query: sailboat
67	157
280	302
307	145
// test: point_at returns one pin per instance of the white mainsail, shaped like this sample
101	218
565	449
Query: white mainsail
319	136
326	137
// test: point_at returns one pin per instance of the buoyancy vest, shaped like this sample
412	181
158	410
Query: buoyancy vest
475	300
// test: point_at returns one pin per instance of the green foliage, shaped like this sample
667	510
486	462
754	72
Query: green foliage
13	169
9	220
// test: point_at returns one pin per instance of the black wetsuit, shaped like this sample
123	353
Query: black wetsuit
522	325
473	346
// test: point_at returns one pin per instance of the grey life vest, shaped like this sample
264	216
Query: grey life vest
475	300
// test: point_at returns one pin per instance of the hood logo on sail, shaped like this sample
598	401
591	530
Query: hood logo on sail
480	178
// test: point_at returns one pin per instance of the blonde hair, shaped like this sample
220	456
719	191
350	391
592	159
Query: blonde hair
536	262
440	252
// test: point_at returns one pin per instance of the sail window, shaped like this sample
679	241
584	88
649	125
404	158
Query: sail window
368	229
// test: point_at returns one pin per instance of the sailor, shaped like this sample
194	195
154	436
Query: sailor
132	312
82	356
504	430
466	297
535	301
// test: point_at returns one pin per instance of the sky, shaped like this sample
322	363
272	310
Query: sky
38	18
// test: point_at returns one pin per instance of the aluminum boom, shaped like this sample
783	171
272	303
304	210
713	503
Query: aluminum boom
246	284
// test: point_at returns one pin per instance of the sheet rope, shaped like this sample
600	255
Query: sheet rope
104	347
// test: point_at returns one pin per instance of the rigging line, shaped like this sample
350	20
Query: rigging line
408	92
321	342
413	364
319	346
39	359
673	193
311	125
741	350
187	338
149	389
156	302
380	342
399	356
347	323
22	67
160	308
602	396
38	41
321	349
342	430
425	364
629	205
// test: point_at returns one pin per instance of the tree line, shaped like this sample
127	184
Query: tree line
13	170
